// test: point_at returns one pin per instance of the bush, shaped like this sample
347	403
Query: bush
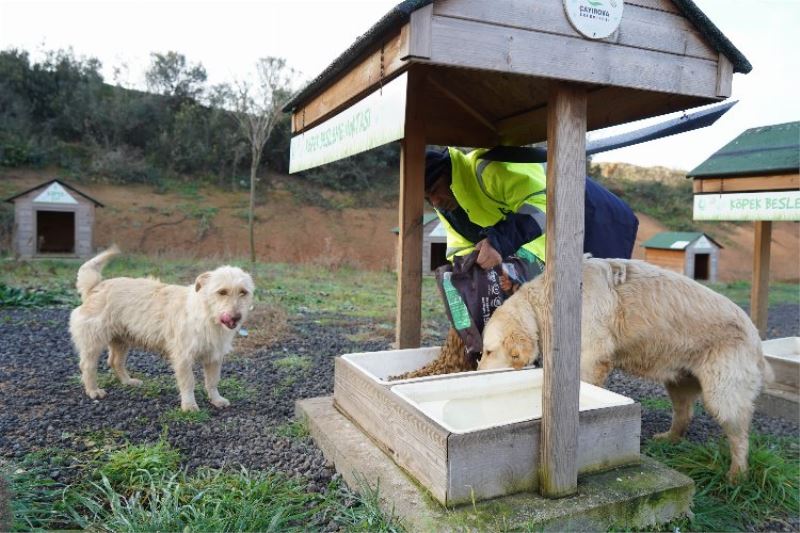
124	165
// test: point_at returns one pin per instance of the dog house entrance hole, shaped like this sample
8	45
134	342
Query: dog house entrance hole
55	232
701	266
438	254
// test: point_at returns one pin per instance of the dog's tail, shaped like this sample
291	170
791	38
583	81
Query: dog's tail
91	272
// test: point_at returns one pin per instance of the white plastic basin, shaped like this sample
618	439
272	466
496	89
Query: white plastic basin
784	356
472	402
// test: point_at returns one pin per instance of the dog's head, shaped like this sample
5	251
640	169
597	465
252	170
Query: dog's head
227	293
510	338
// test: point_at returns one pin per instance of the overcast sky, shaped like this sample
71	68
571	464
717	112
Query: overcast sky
227	37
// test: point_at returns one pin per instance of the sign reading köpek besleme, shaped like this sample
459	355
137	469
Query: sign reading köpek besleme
776	205
374	120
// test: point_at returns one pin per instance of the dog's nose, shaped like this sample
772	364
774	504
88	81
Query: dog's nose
237	317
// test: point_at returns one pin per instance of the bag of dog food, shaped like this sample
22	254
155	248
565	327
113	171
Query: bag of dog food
471	294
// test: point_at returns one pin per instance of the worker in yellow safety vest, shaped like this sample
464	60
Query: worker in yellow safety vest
494	207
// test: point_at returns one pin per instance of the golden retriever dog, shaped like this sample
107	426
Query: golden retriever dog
654	324
185	324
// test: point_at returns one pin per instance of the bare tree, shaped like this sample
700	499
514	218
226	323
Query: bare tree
257	108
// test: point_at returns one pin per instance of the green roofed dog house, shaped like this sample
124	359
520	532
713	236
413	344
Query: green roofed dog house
512	72
53	218
694	254
434	243
754	177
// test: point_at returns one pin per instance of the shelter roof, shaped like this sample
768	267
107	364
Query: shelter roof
773	149
676	240
401	13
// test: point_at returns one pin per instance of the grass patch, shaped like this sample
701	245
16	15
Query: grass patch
739	292
656	403
192	417
293	362
233	389
771	489
143	488
295	429
52	296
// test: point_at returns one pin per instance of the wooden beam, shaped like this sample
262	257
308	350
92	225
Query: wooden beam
787	182
760	290
463	104
561	336
409	243
724	76
380	65
419	44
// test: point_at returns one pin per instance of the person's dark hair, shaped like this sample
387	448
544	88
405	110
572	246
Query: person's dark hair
437	162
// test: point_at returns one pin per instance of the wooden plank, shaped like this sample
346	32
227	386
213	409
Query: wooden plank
465	106
419	43
671	259
409	244
724	76
787	182
609	437
478	45
379	66
760	289
640	27
493	462
566	168
412	440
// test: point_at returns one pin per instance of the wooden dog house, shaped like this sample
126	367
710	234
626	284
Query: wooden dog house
53	218
434	243
691	253
754	177
513	72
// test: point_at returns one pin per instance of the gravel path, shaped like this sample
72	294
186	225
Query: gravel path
42	402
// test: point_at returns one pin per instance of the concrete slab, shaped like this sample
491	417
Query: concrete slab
632	497
782	403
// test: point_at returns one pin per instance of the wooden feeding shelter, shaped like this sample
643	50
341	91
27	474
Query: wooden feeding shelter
434	243
692	253
512	72
754	177
53	218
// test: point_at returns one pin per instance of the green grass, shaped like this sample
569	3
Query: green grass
143	488
771	489
295	429
192	417
293	362
656	403
739	292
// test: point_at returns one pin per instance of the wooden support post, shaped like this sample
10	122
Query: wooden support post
561	337
759	292
409	244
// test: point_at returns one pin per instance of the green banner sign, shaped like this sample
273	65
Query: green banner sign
372	121
779	205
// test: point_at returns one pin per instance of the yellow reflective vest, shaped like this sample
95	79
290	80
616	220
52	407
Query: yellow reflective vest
487	191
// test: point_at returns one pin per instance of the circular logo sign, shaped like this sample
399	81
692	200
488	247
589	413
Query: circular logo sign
595	19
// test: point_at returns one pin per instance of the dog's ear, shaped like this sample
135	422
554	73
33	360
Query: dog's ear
201	279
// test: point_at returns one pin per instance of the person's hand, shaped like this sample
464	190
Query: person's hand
488	257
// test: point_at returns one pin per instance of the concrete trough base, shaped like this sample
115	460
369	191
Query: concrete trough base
631	497
781	403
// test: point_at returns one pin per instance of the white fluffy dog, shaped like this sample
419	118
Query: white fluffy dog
184	324
654	324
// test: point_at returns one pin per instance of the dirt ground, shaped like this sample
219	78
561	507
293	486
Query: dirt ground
213	223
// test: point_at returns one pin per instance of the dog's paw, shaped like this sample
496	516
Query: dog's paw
97	394
667	436
133	382
189	407
220	402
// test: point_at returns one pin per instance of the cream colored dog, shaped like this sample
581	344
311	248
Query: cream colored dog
653	324
185	324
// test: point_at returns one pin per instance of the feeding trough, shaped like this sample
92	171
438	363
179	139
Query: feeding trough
475	435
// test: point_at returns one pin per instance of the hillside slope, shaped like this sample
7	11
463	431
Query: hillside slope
210	222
